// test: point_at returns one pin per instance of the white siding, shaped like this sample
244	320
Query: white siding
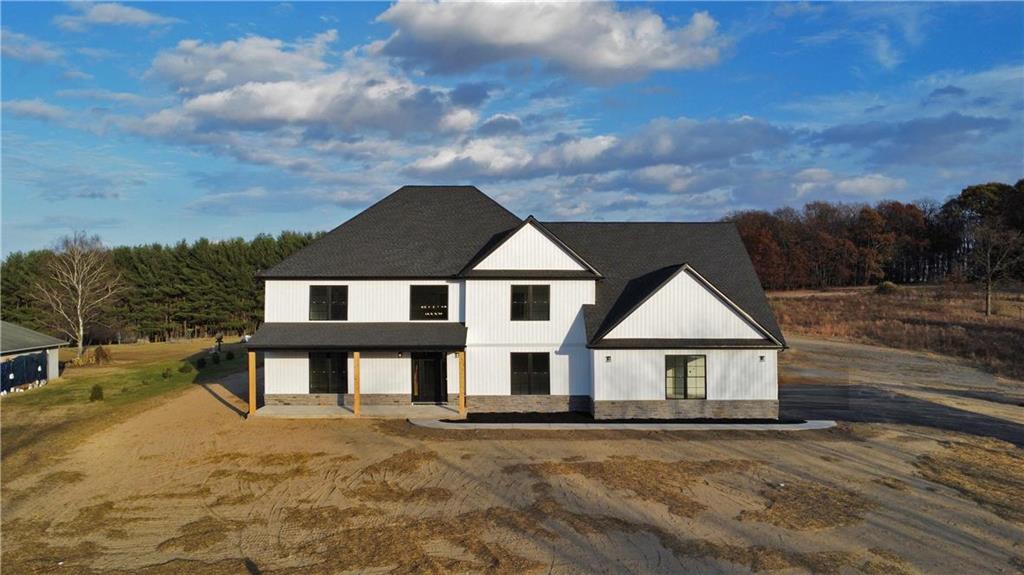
489	312
285	372
640	374
368	300
384	372
452	367
493	336
489	372
684	308
52	363
529	249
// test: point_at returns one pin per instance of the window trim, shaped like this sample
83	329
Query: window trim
530	384
447	295
530	302
686	387
330	301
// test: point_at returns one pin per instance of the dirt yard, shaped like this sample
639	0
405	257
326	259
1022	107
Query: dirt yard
925	475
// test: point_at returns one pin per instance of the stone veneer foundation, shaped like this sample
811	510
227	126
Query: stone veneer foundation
340	399
687	409
654	409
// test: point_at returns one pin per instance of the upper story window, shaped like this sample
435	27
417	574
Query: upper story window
531	303
328	303
428	302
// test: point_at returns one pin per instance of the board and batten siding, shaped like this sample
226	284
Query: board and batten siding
639	374
380	372
368	300
529	249
285	372
489	369
489	313
493	336
684	308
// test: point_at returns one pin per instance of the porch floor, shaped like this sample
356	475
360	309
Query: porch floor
368	411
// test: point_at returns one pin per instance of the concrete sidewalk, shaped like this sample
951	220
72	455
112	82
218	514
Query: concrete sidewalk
808	425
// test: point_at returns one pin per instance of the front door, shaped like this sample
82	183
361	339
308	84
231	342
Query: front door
429	384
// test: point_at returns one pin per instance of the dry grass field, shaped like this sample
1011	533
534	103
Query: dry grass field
948	320
923	475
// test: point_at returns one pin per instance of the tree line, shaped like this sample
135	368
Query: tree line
89	293
976	235
160	292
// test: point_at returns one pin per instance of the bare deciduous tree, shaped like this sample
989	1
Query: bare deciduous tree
78	282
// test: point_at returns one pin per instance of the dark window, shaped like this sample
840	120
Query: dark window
328	303
428	302
685	377
530	374
531	303
328	372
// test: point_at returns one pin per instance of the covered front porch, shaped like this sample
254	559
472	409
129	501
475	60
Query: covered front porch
337	370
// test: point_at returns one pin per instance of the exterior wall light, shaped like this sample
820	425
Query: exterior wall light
607	359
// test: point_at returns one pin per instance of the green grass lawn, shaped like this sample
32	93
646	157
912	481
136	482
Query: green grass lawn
43	423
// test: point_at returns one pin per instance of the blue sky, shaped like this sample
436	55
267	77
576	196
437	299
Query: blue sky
157	122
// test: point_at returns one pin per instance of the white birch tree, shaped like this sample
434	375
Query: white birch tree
78	282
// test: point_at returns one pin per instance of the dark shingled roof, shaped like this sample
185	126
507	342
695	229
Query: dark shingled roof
360	335
636	258
14	338
418	231
437	231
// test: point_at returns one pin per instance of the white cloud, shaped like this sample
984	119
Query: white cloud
868	186
358	97
595	41
883	51
193	66
99	94
669	177
108	14
500	124
675	142
459	120
76	74
23	47
35	109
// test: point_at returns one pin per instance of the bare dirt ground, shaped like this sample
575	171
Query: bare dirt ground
926	475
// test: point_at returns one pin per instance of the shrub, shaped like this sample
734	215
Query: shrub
886	288
101	355
96	393
201	363
215	358
230	355
185	368
166	373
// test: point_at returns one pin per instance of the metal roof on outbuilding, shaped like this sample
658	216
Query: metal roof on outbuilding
16	339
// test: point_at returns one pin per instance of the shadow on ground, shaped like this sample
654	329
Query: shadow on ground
866	404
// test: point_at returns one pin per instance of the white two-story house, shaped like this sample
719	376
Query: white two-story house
441	295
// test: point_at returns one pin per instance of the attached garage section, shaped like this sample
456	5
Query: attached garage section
646	383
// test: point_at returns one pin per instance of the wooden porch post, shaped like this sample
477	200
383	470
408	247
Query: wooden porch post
252	383
356	403
462	383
